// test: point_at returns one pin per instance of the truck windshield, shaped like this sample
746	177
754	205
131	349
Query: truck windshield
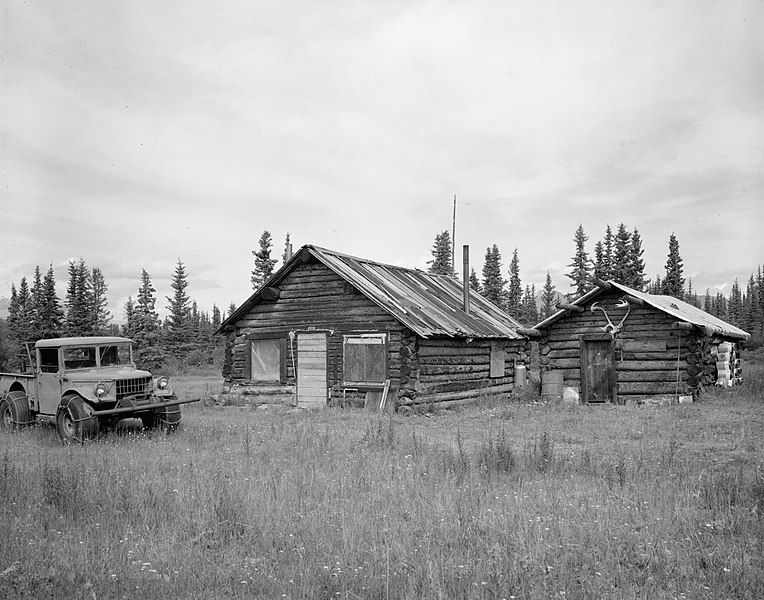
79	358
118	354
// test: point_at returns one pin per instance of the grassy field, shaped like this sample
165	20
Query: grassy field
517	500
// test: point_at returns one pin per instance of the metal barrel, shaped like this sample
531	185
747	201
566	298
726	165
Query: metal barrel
551	386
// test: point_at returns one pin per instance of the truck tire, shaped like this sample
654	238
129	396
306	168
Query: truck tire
14	411
166	418
72	420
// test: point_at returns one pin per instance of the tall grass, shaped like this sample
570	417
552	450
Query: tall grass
547	502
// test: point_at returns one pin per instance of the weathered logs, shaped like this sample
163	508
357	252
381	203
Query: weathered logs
569	307
603	285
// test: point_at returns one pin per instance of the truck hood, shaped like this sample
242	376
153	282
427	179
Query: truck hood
106	374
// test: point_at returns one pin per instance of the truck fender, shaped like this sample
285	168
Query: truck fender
17	386
66	399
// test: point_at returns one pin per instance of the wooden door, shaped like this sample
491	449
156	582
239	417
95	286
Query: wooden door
598	371
311	370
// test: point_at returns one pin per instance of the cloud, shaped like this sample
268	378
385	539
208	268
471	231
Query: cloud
138	133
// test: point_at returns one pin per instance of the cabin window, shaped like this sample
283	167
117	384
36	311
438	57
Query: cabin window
49	360
498	363
365	359
267	360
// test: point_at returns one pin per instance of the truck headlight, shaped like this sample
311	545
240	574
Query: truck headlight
100	389
163	382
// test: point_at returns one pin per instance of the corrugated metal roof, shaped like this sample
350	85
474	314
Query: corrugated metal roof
669	305
428	304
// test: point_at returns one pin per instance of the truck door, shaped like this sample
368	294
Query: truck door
48	380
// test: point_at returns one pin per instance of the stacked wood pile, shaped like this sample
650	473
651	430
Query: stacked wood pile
449	372
727	363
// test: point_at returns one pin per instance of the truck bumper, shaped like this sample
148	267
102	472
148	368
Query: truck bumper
134	409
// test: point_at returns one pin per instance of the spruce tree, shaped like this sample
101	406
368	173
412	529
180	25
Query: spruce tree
99	311
24	313
721	307
146	326
707	302
441	255
474	281
13	315
673	283
607	256
636	263
263	262
758	331
750	307
529	309
50	312
514	304
78	300
493	282
548	298
599	261
128	329
216	317
579	273
231	309
178	330
692	295
621	267
735	304
36	293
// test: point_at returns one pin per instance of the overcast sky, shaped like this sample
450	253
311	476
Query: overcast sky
137	133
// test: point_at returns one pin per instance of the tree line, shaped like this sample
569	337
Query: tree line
36	312
617	256
184	337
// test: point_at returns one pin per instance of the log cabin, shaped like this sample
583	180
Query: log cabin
616	344
332	329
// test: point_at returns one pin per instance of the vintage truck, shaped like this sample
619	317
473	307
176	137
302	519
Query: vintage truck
85	384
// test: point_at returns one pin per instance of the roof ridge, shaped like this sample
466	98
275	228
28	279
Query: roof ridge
369	261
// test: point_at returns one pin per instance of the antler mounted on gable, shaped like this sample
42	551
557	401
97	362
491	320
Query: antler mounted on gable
610	328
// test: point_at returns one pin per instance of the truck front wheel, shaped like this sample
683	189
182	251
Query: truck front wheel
166	418
14	411
74	420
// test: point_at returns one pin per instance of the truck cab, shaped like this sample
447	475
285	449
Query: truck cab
84	383
99	369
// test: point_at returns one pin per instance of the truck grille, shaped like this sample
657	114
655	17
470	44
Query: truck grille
130	387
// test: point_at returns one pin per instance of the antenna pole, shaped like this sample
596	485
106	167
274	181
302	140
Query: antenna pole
453	238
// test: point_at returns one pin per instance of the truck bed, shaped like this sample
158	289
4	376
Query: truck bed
15	376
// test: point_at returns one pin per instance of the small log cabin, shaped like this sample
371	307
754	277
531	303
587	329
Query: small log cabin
333	329
616	344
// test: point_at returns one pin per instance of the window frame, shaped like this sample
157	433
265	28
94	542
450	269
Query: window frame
44	367
64	362
282	347
385	340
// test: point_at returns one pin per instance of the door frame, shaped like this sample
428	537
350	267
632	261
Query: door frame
613	382
326	334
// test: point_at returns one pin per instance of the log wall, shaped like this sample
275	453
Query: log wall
649	350
444	371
